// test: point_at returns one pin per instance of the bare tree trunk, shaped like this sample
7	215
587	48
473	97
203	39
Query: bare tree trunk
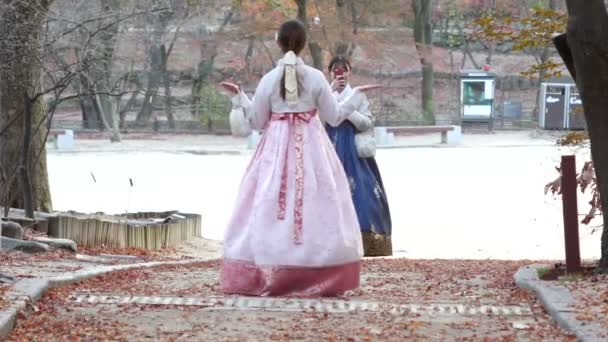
544	56
423	31
490	54
268	53
103	73
313	46
110	127
88	103
467	53
159	21
90	116
20	24
164	55
587	42
342	45
154	77
249	53
316	53
542	76
205	68
355	16
122	113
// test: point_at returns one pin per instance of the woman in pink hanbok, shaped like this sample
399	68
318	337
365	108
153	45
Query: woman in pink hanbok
294	231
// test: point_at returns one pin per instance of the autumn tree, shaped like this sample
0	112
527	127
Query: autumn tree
530	34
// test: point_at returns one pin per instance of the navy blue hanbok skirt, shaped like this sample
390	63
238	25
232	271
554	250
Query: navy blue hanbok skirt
367	191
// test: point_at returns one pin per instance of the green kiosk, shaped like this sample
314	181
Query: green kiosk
477	97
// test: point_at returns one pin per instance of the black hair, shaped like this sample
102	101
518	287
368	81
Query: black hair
291	37
339	60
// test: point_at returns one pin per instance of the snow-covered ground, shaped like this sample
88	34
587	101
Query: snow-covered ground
482	200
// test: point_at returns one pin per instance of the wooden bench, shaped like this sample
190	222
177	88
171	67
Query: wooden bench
450	134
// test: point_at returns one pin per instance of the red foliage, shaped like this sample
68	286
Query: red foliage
586	181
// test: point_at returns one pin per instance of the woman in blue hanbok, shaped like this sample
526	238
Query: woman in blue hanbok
363	175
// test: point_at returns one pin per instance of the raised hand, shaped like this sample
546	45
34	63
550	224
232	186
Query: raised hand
231	87
367	87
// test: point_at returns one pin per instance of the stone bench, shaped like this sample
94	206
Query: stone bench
450	134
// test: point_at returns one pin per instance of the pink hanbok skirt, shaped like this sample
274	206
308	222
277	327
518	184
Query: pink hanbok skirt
294	231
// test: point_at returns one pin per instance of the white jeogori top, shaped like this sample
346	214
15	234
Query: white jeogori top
315	93
362	118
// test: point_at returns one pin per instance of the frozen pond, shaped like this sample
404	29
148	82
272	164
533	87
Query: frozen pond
469	202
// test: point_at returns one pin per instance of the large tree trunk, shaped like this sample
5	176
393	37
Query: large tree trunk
423	31
21	24
587	38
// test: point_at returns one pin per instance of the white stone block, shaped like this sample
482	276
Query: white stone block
381	136
253	140
65	142
454	137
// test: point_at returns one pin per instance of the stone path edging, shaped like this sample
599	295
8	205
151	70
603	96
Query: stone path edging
558	302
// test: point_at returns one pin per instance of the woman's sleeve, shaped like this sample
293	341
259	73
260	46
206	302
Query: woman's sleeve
333	112
362	118
258	108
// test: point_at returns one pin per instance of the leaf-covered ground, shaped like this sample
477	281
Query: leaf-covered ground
591	296
401	281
